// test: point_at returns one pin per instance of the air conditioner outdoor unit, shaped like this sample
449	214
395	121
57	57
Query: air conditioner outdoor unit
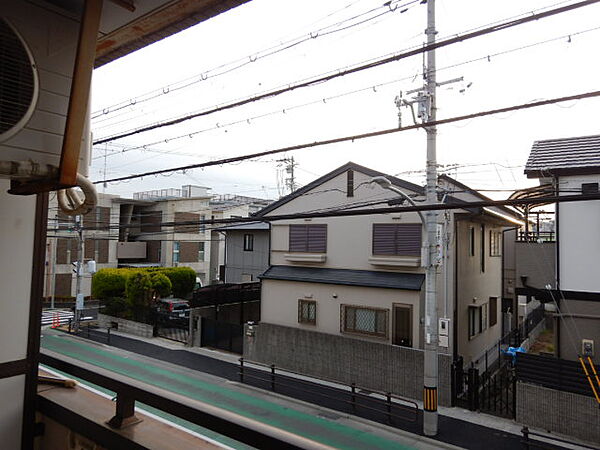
38	48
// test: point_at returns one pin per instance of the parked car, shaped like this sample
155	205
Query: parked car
176	308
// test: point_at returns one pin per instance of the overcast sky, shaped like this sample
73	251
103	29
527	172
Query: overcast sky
489	153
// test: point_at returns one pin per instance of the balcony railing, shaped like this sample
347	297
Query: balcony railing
536	236
128	391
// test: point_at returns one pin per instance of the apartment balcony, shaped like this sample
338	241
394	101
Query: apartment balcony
77	417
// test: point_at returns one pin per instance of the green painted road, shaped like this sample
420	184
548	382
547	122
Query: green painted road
312	427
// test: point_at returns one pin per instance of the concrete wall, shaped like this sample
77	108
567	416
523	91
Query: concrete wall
240	262
536	261
279	305
371	365
558	412
580	320
126	326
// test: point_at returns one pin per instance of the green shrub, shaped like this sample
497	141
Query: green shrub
161	284
182	279
115	306
109	283
138	289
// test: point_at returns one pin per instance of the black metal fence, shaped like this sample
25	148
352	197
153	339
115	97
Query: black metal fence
354	397
554	373
488	384
224	336
174	326
536	236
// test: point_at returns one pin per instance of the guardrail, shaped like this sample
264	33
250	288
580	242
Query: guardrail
128	391
408	409
529	440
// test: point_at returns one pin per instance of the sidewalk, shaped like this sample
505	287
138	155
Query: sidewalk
456	426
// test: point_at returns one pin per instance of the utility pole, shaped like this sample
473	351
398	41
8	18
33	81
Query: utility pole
290	165
79	273
430	366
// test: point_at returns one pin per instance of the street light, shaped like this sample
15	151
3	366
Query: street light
387	184
430	360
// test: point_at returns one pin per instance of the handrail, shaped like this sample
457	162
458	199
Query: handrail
414	408
528	442
227	423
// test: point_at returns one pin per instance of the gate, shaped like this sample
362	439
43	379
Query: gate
172	326
492	392
221	335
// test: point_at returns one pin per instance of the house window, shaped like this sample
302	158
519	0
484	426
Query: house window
308	238
307	312
495	243
248	242
478	319
175	252
493	311
474	321
482	250
362	320
350	183
397	239
200	251
471	241
202	228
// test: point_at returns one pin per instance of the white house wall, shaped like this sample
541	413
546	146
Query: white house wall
279	305
579	238
16	257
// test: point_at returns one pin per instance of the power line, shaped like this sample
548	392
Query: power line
389	210
360	136
145	147
261	54
371	65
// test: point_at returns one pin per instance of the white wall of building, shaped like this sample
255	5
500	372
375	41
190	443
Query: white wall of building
279	305
17	221
579	238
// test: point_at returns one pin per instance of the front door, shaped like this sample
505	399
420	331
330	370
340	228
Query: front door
402	325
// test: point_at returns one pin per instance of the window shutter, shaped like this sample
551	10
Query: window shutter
317	238
408	238
298	238
397	239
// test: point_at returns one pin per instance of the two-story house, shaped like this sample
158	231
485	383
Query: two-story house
571	166
361	277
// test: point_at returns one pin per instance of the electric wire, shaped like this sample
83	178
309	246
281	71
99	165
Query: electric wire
371	134
355	69
261	54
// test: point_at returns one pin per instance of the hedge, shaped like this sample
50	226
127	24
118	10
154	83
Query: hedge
110	283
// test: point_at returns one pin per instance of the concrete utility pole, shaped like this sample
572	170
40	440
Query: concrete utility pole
79	273
290	166
430	366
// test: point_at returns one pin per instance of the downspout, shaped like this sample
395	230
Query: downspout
557	264
455	313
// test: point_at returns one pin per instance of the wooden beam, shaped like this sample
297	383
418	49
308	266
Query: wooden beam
80	92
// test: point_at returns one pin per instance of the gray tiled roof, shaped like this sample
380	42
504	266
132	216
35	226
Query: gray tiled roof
576	155
369	278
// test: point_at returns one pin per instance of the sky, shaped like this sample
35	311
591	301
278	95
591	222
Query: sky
248	50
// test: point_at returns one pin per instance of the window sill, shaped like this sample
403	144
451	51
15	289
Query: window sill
306	257
395	261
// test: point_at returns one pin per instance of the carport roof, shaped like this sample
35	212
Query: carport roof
367	278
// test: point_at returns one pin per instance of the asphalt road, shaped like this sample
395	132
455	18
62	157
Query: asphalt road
452	431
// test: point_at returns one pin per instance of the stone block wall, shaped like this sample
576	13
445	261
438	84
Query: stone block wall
558	412
126	326
371	365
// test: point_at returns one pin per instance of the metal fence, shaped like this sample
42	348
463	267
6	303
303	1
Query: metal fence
353	397
553	373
